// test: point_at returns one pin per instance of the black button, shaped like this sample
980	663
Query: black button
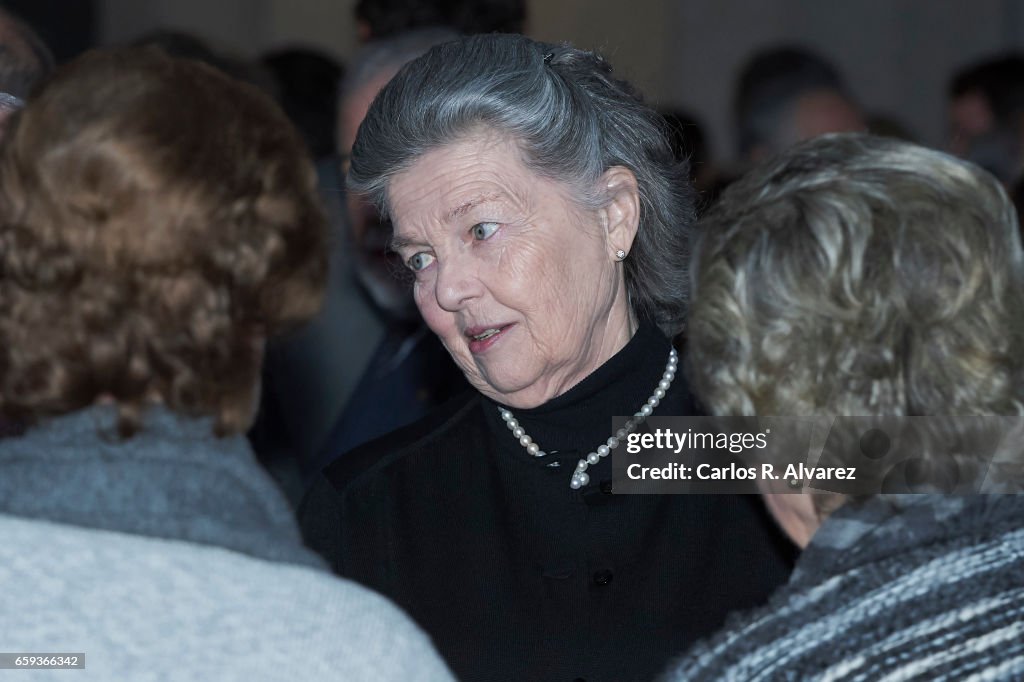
603	577
579	679
606	487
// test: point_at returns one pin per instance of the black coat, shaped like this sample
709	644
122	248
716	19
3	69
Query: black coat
517	577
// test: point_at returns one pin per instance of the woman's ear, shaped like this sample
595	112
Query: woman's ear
621	211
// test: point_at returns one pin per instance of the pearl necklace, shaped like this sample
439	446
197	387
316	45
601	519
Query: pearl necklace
580	477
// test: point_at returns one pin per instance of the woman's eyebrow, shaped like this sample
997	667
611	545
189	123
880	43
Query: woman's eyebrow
398	242
465	207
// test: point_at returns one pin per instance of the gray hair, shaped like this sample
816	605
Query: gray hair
572	120
862	276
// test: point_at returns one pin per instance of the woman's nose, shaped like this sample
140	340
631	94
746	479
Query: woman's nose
457	283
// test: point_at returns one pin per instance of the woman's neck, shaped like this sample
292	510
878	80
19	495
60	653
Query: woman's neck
598	345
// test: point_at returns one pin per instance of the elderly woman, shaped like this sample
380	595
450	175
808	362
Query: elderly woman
158	221
538	206
862	276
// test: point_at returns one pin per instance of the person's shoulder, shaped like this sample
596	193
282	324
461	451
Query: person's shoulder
432	430
237	616
372	636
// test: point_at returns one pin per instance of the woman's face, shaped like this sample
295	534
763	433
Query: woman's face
519	281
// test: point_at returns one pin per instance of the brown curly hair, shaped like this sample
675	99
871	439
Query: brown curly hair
158	219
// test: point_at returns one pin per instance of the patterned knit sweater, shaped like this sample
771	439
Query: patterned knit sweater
915	587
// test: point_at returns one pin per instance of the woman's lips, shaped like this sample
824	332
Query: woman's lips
490	336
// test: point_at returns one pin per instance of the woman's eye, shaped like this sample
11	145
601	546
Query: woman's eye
419	261
484	230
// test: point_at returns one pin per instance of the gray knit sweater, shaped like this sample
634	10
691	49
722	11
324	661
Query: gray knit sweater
172	556
916	587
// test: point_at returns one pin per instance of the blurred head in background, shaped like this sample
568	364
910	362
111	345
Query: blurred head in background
378	271
986	114
788	94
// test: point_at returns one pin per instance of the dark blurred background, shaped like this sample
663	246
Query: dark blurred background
896	54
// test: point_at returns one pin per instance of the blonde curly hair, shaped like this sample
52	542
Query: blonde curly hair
856	275
859	276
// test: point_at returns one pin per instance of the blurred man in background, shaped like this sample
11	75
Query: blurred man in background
788	94
326	384
409	370
986	114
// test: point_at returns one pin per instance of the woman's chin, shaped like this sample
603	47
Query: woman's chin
511	393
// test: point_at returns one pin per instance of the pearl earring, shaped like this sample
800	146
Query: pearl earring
620	254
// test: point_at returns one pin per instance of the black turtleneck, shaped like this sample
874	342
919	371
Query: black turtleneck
516	576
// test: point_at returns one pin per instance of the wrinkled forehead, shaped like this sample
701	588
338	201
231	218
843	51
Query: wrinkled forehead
450	177
483	164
